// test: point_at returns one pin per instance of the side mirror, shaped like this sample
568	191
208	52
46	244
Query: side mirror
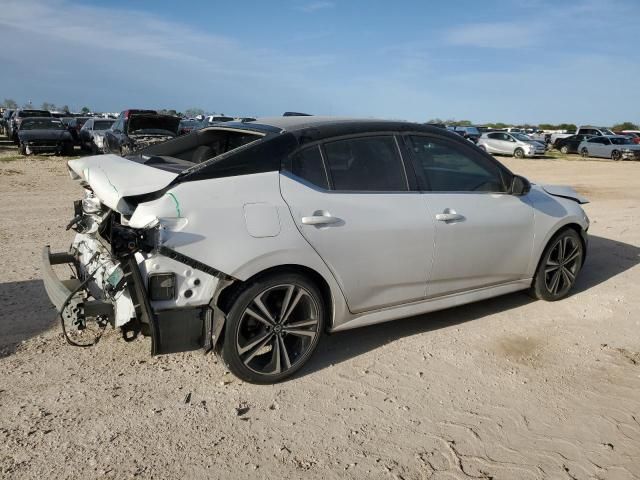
520	186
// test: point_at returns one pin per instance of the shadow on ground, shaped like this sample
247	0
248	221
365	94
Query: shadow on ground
25	310
606	259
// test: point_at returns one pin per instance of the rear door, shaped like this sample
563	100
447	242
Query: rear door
351	201
484	235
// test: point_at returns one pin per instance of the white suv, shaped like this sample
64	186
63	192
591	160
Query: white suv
253	238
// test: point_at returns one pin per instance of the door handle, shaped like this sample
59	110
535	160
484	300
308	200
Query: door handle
320	217
449	216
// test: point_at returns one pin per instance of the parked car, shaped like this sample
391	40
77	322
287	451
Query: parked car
610	146
74	125
633	134
218	119
92	134
516	144
44	135
596	131
570	144
18	115
553	137
188	126
470	133
253	239
137	129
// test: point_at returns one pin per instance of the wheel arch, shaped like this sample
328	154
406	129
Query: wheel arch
228	294
558	230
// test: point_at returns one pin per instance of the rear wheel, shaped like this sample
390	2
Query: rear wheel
273	327
559	266
616	155
23	149
518	153
585	153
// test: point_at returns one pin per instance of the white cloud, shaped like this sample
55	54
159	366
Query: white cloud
311	7
494	35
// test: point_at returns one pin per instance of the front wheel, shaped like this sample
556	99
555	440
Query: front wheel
23	149
564	149
518	153
559	266
616	155
273	327
585	153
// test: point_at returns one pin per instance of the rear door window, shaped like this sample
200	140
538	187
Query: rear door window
308	165
365	164
443	166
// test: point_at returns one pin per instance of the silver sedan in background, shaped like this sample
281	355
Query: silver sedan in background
516	144
615	147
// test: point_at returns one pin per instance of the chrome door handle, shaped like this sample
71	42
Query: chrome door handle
449	217
320	217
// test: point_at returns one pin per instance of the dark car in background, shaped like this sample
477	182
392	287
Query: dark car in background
137	129
19	115
92	134
570	144
44	134
73	125
188	126
470	133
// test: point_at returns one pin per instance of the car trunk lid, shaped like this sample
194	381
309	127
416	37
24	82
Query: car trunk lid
112	178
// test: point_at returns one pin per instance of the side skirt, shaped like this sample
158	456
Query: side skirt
432	305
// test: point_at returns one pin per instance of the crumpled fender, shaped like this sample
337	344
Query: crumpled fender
564	191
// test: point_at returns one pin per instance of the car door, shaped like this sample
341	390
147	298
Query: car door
596	147
496	143
484	235
350	200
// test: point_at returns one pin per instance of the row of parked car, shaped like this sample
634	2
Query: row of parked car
587	141
39	131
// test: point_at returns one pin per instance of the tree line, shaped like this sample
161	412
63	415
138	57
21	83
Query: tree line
543	126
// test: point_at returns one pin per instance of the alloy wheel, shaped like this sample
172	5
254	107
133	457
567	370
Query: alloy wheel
278	329
615	155
563	263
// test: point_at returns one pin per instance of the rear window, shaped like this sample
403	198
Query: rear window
102	124
33	113
365	164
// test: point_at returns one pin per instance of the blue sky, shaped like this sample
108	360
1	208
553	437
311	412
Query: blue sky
513	61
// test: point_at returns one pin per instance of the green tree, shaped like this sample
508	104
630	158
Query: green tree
65	108
625	126
10	103
48	106
85	110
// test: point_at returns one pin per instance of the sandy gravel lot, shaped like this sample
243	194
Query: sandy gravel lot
507	388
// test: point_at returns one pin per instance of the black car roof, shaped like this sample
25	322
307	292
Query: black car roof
312	128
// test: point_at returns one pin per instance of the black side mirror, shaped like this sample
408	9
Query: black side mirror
520	185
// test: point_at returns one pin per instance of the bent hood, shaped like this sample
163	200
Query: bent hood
564	191
112	178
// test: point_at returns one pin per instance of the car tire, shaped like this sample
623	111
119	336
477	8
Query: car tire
23	149
616	155
564	150
260	345
585	153
518	153
558	267
68	150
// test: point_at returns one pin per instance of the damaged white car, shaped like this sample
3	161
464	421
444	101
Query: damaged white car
252	239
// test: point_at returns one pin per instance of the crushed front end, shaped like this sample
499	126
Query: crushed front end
126	277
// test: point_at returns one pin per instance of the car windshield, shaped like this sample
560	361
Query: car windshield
621	140
521	137
41	124
102	124
606	131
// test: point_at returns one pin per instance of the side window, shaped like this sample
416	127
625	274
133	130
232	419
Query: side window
308	165
446	167
366	164
495	136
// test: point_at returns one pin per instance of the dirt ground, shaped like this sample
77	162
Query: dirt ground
509	388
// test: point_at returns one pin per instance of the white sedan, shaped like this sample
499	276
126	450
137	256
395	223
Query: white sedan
254	238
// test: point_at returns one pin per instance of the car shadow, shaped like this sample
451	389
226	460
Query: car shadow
25	312
606	259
